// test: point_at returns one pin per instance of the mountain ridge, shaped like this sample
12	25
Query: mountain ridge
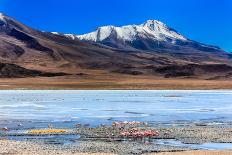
145	56
153	28
150	30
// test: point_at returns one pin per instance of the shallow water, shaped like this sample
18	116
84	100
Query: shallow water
208	146
75	139
64	108
48	139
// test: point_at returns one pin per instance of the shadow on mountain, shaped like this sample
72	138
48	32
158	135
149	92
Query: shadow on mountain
15	71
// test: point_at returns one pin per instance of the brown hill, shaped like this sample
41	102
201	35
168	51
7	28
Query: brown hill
35	53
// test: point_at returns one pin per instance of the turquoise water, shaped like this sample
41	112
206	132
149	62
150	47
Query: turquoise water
64	108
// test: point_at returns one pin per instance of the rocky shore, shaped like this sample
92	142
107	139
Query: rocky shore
109	140
26	147
187	135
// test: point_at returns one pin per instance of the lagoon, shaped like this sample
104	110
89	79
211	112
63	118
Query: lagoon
65	108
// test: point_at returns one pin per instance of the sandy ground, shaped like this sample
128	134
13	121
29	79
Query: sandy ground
113	82
24	148
226	152
166	153
19	148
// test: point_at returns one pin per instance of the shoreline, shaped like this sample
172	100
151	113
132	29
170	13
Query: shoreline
112	83
106	140
8	147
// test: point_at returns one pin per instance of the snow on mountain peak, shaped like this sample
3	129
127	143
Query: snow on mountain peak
151	29
56	33
161	31
152	24
2	17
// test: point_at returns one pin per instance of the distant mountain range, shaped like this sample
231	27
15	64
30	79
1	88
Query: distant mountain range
149	49
150	35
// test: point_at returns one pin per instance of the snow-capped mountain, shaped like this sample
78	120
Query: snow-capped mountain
151	29
152	35
149	49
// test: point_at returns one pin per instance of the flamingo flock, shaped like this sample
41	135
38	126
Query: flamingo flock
136	133
129	124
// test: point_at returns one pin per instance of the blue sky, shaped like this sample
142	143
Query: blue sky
207	21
